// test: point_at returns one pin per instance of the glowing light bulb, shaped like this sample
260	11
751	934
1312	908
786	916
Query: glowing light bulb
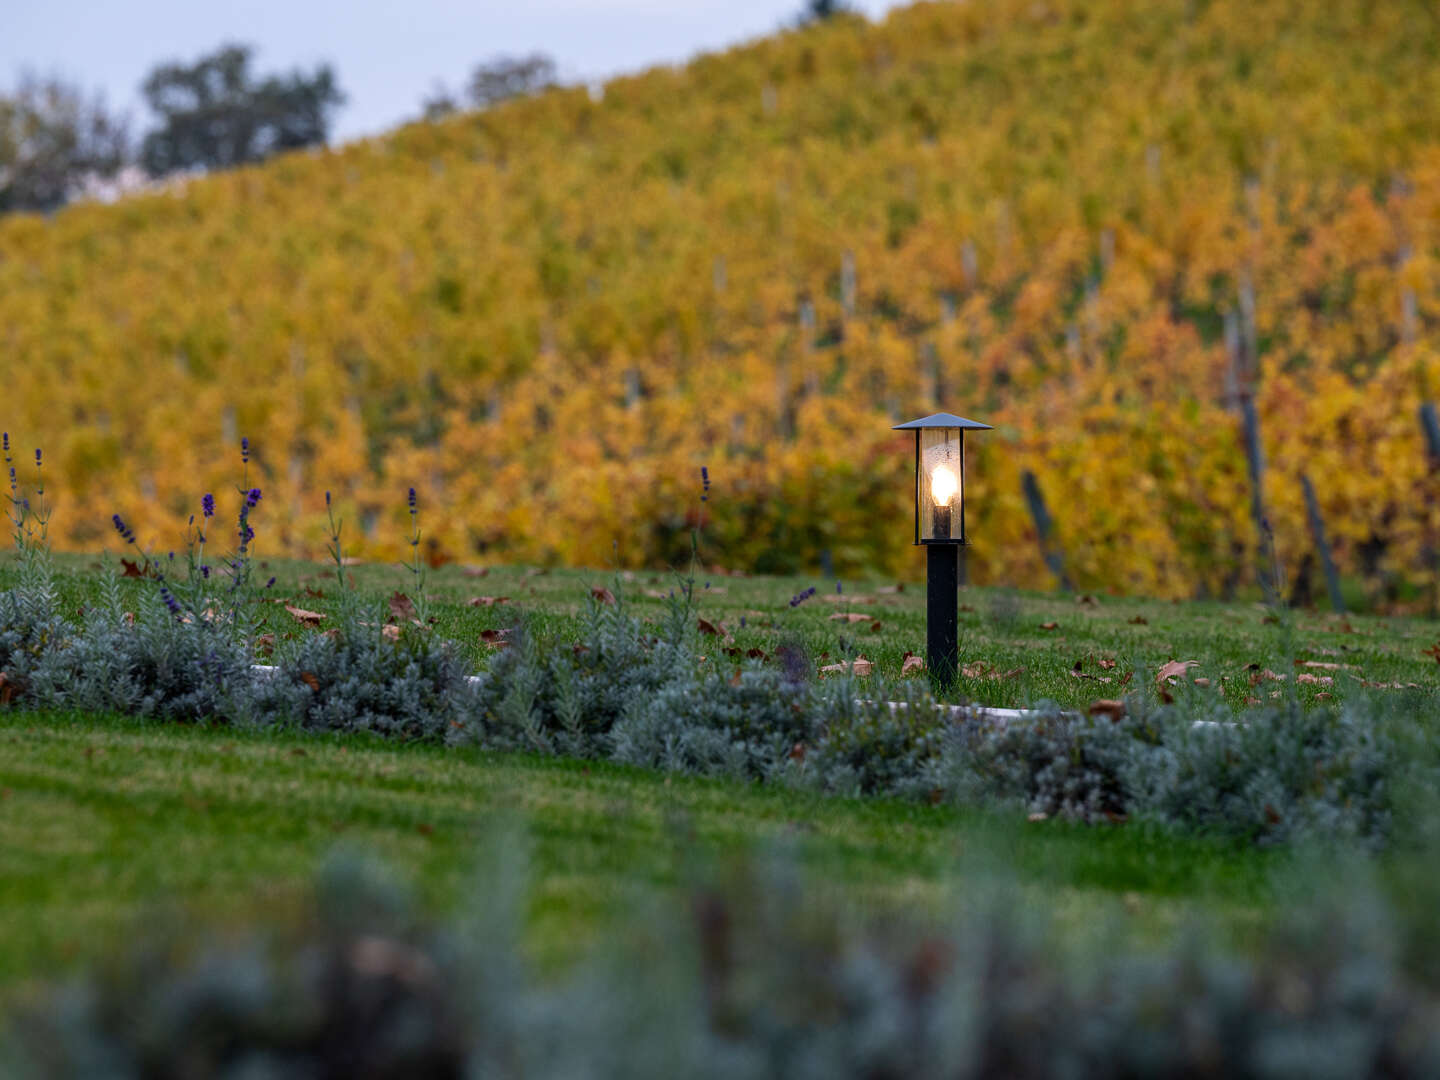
943	485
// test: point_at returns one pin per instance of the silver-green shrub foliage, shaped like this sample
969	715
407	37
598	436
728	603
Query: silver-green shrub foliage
754	977
358	680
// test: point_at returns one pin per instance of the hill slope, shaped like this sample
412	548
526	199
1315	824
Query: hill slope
549	315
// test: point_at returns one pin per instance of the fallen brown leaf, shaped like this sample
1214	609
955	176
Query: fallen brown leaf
859	666
1314	680
402	608
265	645
306	618
890	589
1049	626
487	601
474	571
390	632
130	569
7	690
1108	707
1264	675
604	595
707	627
911	664
853	616
1139	620
309	679
1203	683
1174	668
1107	665
495	638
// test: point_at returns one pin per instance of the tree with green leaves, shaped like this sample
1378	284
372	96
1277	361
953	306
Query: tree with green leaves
52	139
216	114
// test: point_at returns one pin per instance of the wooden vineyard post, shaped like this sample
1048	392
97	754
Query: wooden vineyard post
1430	425
1044	526
1317	533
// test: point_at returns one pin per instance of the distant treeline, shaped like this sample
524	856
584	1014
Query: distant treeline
58	143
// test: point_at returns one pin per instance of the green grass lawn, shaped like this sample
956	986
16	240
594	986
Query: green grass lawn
105	822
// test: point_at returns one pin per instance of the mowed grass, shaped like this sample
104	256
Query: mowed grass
107	824
1018	648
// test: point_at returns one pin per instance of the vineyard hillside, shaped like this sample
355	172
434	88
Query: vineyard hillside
1099	226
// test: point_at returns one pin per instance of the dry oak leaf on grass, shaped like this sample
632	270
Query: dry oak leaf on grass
911	663
604	595
852	616
309	679
474	571
1314	680
306	618
1049	626
859	666
496	639
487	601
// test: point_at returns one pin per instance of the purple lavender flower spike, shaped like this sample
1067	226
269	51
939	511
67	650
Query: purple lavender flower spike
207	505
245	451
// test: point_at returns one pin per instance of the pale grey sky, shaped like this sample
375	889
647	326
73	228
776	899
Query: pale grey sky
388	53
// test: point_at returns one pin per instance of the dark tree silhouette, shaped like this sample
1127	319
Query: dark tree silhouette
214	114
816	10
51	139
508	77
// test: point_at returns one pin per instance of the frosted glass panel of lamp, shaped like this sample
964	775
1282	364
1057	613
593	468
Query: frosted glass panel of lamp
942	475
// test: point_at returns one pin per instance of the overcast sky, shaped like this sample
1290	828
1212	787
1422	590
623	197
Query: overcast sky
388	53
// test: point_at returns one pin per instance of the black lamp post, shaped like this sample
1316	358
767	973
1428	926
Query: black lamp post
940	527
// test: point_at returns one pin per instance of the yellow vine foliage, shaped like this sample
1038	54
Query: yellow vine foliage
548	315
